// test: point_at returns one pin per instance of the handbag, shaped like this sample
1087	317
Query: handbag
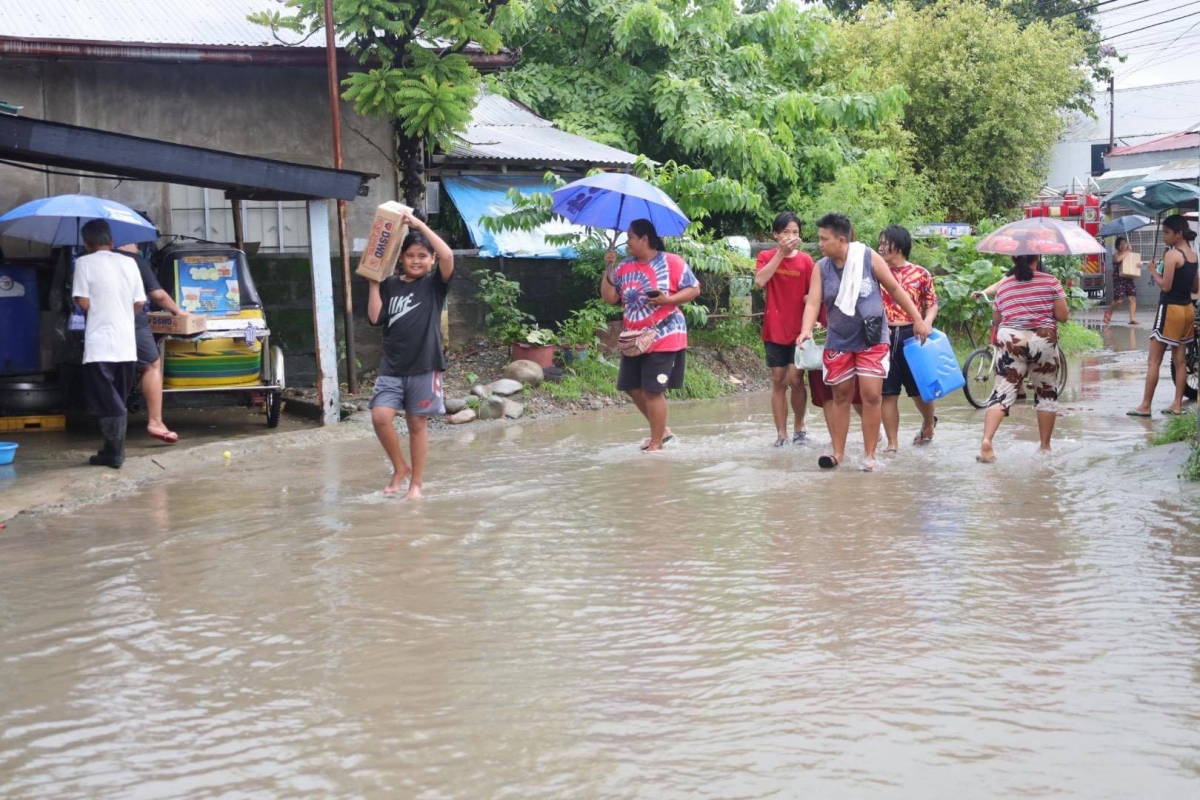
1131	265
635	343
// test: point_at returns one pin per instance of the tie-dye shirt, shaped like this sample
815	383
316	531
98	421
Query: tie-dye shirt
668	273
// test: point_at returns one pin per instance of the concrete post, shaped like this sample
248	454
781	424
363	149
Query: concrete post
324	334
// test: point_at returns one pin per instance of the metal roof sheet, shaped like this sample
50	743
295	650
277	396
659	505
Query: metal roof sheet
1140	112
1184	140
502	130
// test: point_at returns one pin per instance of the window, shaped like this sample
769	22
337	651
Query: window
207	214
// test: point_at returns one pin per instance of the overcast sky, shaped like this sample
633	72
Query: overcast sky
1165	53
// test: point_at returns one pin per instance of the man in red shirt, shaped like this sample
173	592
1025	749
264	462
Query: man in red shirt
784	274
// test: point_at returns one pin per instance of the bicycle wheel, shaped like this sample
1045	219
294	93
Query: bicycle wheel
1062	373
977	372
1191	387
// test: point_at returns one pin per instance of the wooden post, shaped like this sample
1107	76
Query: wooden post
239	237
324	333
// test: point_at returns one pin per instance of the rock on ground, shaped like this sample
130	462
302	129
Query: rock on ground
463	416
491	408
480	391
524	371
513	409
455	404
505	387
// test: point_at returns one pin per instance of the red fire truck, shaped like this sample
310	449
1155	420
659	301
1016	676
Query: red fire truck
1083	209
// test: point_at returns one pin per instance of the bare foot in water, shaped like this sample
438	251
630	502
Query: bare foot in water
414	493
986	454
397	483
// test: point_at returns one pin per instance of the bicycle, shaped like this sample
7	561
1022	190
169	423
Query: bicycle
979	369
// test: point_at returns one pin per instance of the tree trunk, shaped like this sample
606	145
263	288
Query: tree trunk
410	157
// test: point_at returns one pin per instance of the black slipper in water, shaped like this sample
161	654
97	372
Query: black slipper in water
780	442
827	461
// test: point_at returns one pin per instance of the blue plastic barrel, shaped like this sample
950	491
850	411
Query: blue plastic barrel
934	366
20	321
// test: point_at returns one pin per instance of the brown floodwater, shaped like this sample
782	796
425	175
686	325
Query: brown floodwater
565	616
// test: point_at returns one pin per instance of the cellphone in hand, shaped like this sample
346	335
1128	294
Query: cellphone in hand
653	293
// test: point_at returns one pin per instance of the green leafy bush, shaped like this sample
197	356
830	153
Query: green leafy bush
504	320
582	327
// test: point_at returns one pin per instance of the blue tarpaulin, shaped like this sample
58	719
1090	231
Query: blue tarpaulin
476	196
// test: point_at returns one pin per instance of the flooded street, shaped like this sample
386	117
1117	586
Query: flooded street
565	616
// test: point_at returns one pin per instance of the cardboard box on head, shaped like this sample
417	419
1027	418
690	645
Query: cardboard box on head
378	259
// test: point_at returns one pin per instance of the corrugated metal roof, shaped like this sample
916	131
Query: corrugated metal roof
1140	112
1182	169
1176	141
502	130
180	22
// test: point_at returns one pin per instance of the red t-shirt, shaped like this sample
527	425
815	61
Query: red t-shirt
1028	305
786	293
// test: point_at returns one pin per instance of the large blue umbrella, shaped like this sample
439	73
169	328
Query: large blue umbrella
57	220
613	200
1123	225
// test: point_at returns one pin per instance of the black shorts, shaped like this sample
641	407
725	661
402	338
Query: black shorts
106	386
900	375
653	372
147	348
780	355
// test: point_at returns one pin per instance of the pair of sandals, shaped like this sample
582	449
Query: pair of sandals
1170	412
827	461
799	437
1108	319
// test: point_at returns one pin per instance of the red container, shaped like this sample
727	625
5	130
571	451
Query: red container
542	355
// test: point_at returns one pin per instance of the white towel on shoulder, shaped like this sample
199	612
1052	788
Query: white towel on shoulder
852	279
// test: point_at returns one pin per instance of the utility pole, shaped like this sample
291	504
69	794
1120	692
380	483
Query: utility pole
1112	114
343	248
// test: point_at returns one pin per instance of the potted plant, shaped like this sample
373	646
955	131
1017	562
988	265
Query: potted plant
579	333
534	344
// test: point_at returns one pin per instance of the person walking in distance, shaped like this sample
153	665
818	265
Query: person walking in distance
849	281
895	245
108	288
784	273
408	307
1175	320
1124	287
1029	306
650	286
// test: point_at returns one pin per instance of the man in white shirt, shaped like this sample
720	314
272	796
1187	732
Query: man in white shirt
108	287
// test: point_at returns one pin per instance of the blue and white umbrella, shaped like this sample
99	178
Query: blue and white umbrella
613	200
57	220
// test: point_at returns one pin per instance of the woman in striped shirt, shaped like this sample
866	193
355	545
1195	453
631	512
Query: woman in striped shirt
1029	306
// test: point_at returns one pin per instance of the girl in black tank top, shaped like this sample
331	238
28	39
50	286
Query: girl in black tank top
1174	322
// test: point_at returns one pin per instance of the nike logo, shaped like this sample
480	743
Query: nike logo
399	306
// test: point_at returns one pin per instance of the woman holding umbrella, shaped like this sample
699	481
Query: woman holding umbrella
1029	305
1123	287
650	286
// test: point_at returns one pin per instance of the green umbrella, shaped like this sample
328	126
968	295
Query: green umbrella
1154	197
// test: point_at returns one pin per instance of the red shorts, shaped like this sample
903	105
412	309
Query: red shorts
819	391
841	366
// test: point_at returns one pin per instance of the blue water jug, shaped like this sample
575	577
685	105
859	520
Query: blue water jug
21	335
934	366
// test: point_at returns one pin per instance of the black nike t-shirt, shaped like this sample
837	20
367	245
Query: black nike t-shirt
412	325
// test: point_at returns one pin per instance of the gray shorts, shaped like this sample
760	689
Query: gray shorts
147	348
419	395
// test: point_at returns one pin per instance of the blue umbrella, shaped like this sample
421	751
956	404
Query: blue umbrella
1123	225
613	200
57	220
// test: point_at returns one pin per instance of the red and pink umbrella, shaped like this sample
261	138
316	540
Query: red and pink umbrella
1040	236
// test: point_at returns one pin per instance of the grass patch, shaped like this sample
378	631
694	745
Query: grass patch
727	334
1075	338
1191	467
584	377
701	383
1177	429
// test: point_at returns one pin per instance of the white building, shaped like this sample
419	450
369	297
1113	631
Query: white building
1140	115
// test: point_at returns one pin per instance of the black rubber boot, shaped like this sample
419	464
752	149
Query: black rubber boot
113	453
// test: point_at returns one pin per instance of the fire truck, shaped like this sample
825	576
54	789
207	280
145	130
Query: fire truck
1083	209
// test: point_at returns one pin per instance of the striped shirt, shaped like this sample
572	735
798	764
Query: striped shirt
1029	305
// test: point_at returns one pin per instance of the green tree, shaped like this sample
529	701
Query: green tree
987	95
722	87
414	72
1082	14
